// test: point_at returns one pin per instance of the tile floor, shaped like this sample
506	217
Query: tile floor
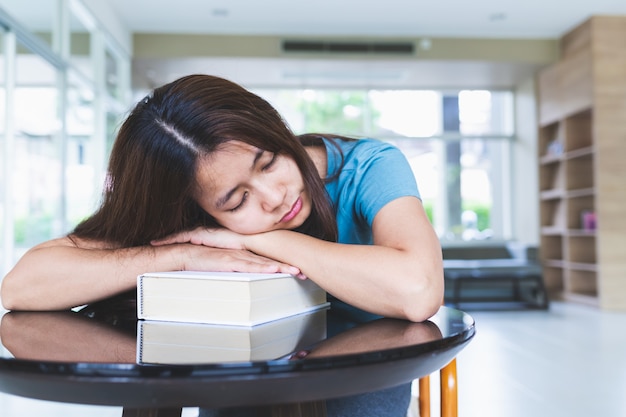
567	361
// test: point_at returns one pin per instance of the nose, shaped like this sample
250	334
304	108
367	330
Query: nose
272	196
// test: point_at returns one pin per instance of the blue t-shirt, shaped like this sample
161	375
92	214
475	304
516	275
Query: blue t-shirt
374	173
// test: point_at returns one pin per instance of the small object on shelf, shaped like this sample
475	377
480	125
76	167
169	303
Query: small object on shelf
588	220
555	148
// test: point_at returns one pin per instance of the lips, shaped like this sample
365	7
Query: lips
295	209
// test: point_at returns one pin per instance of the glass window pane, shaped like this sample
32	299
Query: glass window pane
36	176
477	193
484	112
80	156
36	15
480	171
80	46
112	78
410	113
4	197
343	112
423	156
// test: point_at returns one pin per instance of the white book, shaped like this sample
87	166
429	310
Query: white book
161	342
231	298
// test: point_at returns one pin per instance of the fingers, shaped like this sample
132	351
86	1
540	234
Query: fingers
203	258
217	238
264	265
195	236
256	262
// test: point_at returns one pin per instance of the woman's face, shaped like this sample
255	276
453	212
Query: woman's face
249	190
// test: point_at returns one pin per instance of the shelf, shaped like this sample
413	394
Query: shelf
553	278
582	282
590	299
581	156
552	249
552	177
581	233
552	231
550	159
578	208
580	266
578	153
554	263
553	214
580	192
579	172
552	194
578	132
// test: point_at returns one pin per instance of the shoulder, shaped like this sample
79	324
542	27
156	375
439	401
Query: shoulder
361	145
363	151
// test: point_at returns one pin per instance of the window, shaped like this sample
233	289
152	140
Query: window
457	142
56	119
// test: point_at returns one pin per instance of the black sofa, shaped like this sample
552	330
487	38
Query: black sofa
496	275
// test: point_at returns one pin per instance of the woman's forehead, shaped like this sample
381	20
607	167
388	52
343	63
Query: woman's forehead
235	146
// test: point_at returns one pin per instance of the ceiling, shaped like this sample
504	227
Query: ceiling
419	19
528	19
440	18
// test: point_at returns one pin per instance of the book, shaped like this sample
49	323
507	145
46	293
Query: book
161	342
231	298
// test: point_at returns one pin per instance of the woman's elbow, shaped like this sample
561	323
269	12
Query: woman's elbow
15	294
8	298
423	300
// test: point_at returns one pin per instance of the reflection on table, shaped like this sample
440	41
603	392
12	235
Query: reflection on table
91	357
68	336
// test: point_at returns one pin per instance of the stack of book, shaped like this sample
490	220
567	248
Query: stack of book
210	317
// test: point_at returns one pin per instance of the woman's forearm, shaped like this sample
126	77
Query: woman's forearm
400	275
54	277
61	274
383	280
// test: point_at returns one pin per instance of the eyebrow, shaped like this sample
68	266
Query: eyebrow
222	200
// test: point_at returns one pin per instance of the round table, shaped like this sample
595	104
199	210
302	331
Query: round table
90	357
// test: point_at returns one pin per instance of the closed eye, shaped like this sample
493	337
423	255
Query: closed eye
270	163
241	203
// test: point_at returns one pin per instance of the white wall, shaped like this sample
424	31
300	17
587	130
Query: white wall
524	170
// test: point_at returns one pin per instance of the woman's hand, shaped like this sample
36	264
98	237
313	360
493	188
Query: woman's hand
212	237
199	257
225	252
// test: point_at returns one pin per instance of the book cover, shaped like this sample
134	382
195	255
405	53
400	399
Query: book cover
161	342
231	298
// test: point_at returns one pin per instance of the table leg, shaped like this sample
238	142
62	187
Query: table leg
152	412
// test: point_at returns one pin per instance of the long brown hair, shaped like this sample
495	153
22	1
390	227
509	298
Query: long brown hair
151	174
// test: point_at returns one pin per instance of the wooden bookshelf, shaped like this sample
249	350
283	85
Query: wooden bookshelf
582	173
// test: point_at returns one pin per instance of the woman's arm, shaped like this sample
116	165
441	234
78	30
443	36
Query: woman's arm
400	275
64	273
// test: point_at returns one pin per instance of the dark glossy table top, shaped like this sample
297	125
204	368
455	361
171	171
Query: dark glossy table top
90	357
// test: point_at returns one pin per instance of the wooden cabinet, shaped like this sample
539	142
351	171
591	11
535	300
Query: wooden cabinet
582	165
567	206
